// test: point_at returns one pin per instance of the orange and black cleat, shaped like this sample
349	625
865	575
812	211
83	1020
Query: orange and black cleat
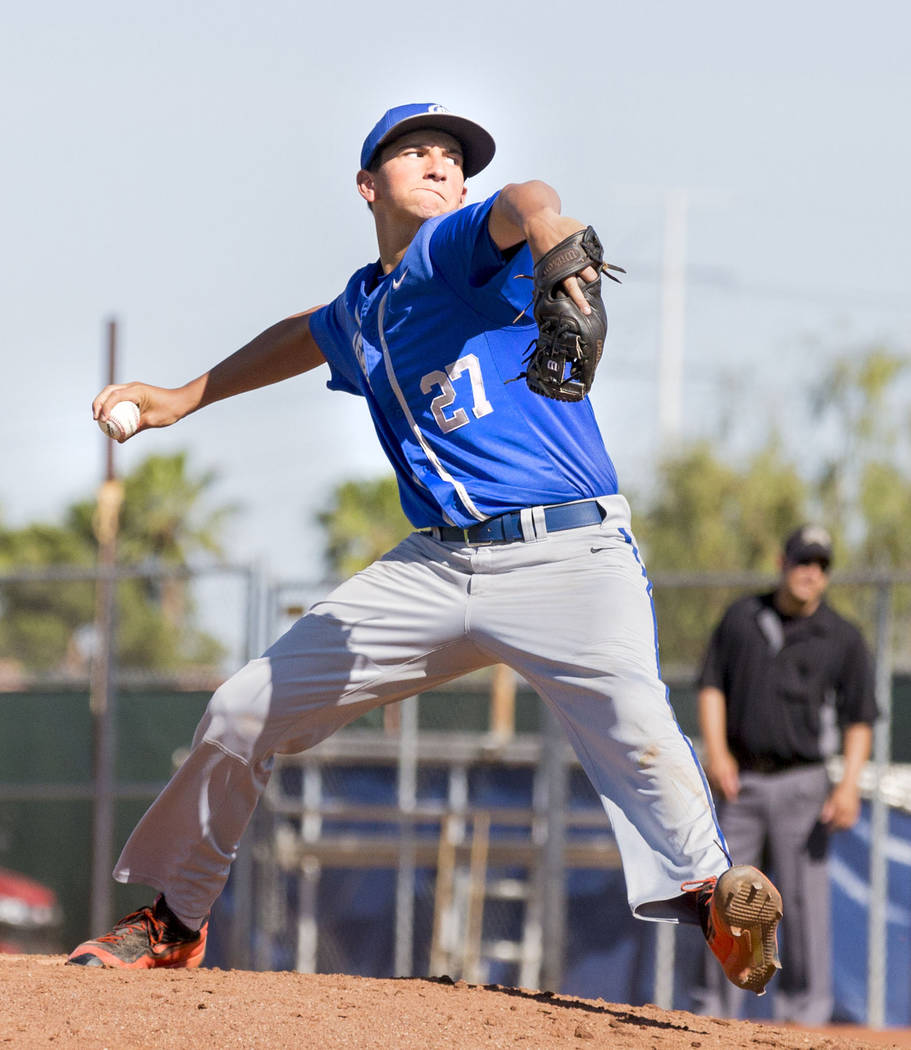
144	939
739	912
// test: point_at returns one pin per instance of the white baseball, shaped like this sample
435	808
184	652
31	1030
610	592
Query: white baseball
122	421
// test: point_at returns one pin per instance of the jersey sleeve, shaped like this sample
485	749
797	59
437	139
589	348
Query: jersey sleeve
336	337
481	275
856	700
711	674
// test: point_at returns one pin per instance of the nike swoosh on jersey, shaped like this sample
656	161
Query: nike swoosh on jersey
595	550
396	284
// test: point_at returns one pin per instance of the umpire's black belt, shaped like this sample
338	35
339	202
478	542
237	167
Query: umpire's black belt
776	764
507	528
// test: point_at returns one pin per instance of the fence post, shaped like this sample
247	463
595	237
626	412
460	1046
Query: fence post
407	792
102	702
877	944
665	959
242	934
308	881
103	696
554	875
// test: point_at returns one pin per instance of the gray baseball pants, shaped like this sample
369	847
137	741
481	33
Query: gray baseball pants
776	816
570	611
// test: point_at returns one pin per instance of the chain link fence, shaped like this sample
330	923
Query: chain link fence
453	834
92	720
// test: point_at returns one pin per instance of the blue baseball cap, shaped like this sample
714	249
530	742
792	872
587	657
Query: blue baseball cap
478	146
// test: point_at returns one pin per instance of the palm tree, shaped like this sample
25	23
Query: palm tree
165	521
362	521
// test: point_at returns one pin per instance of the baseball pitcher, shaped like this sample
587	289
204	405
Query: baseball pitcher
473	340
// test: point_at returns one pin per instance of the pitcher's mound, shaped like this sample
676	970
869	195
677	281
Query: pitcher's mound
44	1004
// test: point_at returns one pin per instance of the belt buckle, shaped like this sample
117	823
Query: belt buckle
491	540
477	543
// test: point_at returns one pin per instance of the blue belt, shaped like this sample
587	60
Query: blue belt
507	528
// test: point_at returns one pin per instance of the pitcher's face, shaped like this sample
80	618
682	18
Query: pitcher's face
419	174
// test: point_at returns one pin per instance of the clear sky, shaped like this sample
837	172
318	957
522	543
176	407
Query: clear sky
189	169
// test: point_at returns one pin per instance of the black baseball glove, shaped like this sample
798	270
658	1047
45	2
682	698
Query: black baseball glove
561	362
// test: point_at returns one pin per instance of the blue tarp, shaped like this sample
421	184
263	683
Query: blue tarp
610	955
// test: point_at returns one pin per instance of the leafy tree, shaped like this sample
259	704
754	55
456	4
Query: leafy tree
163	517
864	487
712	517
37	619
362	520
164	522
885	503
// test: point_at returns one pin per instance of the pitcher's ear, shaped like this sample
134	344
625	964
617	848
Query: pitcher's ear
366	185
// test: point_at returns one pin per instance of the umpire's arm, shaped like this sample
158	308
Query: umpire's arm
720	765
842	808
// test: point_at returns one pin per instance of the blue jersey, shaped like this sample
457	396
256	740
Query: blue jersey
432	347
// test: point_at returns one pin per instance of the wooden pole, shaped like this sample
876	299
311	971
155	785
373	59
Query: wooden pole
503	702
102	694
477	894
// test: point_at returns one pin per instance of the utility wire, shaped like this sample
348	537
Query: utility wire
725	280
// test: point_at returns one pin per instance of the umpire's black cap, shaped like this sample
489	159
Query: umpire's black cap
809	543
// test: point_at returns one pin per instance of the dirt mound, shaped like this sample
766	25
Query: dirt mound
46	1004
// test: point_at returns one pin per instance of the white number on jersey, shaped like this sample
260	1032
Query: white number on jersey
443	400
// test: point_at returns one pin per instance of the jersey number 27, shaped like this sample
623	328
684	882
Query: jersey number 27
444	380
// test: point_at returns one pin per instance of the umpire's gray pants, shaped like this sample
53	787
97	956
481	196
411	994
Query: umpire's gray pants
776	816
570	611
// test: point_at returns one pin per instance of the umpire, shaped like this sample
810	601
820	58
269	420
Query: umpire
784	678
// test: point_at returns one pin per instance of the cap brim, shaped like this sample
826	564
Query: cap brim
809	552
478	146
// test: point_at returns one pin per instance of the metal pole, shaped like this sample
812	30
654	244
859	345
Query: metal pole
241	939
879	817
665	959
253	627
308	880
554	874
102	698
408	794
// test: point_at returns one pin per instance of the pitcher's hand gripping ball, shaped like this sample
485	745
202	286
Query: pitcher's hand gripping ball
122	422
561	362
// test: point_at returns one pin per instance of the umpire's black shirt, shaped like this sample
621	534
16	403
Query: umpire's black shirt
790	682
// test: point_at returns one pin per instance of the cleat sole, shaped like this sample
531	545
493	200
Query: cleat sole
750	906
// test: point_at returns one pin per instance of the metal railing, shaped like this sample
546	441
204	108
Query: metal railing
546	822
